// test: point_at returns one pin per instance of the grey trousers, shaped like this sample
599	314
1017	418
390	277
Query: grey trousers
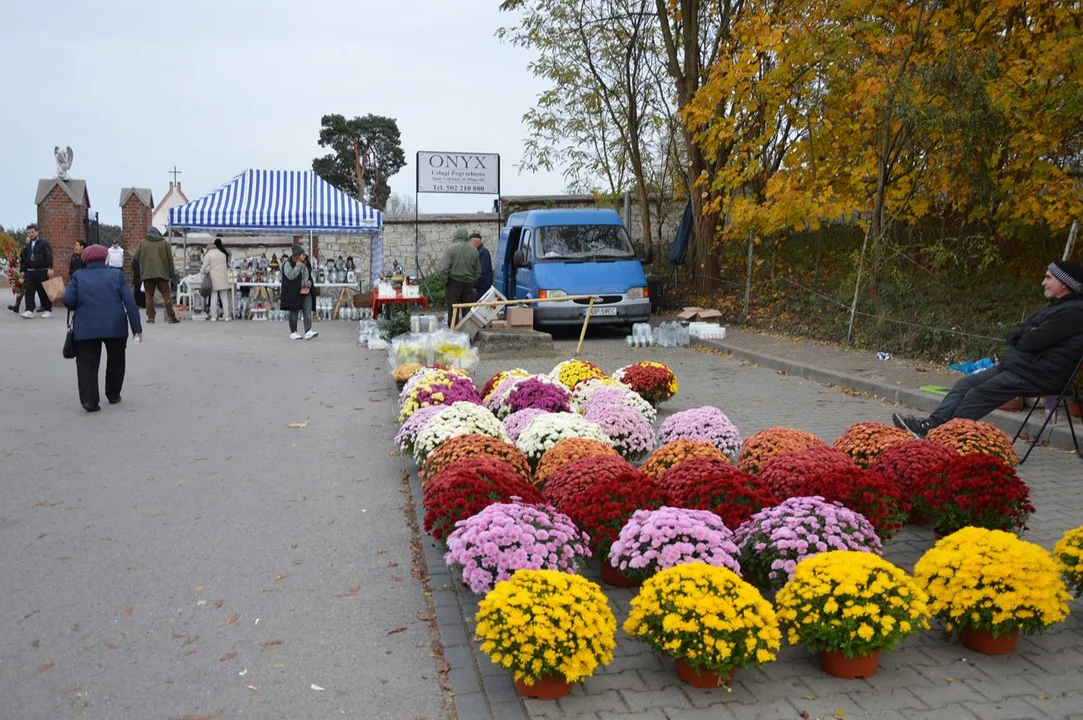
305	311
977	395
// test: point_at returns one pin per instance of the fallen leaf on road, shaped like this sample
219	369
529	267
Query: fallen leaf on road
217	604
298	424
47	503
227	657
48	664
279	666
424	618
111	646
315	687
190	652
253	688
804	715
128	610
280	576
840	714
190	639
199	588
353	591
233	618
269	644
396	630
1043	697
951	680
810	697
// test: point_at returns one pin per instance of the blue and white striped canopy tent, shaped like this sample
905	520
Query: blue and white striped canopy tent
277	202
282	202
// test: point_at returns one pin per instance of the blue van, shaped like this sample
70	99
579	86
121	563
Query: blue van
557	253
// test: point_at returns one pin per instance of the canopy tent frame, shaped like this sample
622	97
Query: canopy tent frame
281	202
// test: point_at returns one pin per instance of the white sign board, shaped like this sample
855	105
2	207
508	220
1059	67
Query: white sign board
457	172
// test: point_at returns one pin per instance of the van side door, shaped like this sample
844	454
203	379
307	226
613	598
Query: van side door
525	284
506	271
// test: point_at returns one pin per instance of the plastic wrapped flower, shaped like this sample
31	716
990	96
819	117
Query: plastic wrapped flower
518	420
575	476
1068	553
715	485
912	467
977	490
864	442
496	379
444	389
566	451
704	424
404	372
786	474
760	448
505	537
776	539
654	540
602	508
538	394
991	580
863	491
543	623
613	395
414	424
547	430
571	373
462	418
974	436
677	451
474	445
856	603
632	436
467	487
705	616
652	380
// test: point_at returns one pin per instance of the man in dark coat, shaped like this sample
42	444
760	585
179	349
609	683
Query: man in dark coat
485	281
37	264
1043	352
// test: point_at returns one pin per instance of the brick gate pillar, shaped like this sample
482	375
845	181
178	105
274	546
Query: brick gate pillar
62	211
136	211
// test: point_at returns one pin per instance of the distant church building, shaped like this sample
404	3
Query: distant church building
174	197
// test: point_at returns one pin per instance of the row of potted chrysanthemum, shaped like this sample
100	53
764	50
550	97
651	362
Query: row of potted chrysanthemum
551	629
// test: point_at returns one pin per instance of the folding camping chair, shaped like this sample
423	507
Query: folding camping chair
1069	392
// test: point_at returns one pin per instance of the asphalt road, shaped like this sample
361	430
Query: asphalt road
187	553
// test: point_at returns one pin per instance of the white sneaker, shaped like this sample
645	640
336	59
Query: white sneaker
28	315
46	314
227	318
311	334
296	336
214	319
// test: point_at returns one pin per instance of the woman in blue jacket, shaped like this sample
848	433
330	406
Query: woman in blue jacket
104	308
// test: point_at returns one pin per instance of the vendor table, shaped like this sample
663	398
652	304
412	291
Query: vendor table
269	293
379	303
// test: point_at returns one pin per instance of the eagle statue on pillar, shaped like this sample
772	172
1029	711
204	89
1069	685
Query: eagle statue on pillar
63	161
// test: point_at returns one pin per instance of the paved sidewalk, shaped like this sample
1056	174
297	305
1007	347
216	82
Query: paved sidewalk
930	676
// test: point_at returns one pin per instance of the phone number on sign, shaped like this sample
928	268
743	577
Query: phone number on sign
461	188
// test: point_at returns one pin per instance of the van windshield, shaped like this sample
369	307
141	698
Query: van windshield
583	242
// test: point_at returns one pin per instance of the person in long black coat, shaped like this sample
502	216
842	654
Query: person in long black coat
104	310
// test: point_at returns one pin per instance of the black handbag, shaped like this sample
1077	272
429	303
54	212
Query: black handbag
69	339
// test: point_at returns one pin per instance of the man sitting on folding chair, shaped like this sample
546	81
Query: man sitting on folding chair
1045	351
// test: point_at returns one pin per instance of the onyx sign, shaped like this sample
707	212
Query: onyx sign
458	172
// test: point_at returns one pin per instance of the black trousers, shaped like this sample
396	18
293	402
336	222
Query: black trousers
977	395
34	280
458	291
88	357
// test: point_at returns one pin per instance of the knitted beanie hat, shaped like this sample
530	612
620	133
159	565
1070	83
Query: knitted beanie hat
1068	272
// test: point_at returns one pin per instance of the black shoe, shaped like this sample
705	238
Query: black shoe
916	426
174	321
13	308
113	400
149	321
91	408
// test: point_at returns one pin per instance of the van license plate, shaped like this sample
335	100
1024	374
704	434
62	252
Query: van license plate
603	311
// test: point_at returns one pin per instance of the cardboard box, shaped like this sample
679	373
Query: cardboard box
520	316
498	325
708	315
362	300
689	313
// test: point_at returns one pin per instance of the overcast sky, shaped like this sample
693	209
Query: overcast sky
138	86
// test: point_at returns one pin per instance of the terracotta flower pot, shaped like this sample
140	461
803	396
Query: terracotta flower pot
984	641
549	687
840	666
615	577
701	678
